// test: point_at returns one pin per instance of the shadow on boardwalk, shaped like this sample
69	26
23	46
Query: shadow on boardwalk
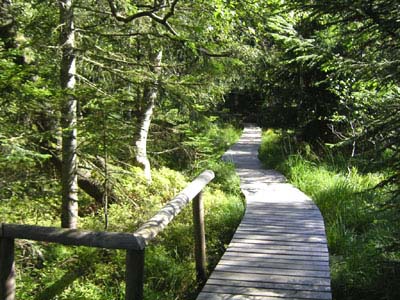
279	250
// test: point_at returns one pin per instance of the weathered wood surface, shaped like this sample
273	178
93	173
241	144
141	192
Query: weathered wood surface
199	238
156	224
7	269
74	237
134	274
279	250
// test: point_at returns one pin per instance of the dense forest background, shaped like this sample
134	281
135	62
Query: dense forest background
115	105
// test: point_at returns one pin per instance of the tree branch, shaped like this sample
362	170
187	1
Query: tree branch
151	13
127	19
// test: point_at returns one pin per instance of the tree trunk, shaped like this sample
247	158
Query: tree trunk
69	172
8	30
86	182
150	97
7	25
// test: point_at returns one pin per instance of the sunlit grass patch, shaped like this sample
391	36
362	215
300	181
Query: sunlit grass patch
362	235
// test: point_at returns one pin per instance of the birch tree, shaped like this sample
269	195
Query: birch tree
150	96
151	90
69	171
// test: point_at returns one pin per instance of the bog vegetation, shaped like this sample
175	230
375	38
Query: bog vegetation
108	108
361	225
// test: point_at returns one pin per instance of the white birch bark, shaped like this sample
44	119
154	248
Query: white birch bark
69	171
150	96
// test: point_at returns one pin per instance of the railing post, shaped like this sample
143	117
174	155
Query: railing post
7	269
199	237
134	276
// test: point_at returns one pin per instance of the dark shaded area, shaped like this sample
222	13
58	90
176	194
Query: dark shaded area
245	104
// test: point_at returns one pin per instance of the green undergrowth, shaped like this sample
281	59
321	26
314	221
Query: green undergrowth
362	232
51	271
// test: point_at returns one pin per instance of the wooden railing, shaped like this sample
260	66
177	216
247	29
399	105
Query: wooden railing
134	244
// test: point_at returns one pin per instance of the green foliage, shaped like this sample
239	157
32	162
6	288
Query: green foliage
360	234
168	272
210	139
272	151
225	211
195	141
327	70
49	271
226	178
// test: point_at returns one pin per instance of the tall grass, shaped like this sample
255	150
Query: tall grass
364	263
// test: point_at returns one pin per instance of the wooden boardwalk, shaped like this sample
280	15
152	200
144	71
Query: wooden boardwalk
279	250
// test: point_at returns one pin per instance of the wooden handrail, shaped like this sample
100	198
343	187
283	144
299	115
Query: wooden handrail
134	244
156	224
73	237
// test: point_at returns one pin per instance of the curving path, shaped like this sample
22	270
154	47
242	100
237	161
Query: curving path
279	250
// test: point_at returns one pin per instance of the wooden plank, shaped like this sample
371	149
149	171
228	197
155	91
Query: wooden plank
273	265
279	228
283	223
267	205
273	215
270	285
277	244
264	209
305	225
270	199
272	271
281	237
289	218
273	252
285	213
273	230
249	253
271	241
213	296
283	228
306	264
280	231
252	291
286	220
282	234
271	278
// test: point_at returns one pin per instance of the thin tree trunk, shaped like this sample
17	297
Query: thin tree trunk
8	30
150	97
7	25
69	172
